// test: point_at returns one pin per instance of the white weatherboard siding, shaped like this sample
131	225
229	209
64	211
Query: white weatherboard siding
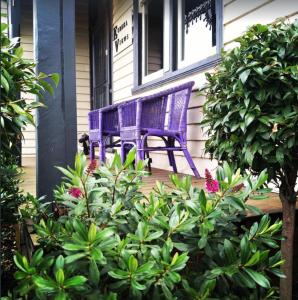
82	68
29	142
238	15
252	12
3	11
122	64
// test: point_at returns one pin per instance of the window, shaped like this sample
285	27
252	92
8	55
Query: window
155	39
196	22
176	38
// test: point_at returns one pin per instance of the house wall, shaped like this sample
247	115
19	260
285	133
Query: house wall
122	63
237	16
3	11
29	143
82	67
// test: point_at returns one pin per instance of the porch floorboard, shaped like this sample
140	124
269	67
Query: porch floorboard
270	205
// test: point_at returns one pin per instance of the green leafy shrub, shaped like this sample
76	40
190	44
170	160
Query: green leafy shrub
18	79
113	242
10	194
10	199
251	114
18	76
252	109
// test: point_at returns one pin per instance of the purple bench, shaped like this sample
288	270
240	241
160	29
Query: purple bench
103	125
146	117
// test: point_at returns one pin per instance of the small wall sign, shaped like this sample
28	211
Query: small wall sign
122	33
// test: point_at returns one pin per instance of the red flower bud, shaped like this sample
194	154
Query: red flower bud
92	166
75	192
212	185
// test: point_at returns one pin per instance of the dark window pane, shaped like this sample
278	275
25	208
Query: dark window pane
154	36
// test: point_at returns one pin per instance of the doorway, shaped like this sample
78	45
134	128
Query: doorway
100	39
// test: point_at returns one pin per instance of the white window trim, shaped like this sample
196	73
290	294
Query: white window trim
180	62
166	44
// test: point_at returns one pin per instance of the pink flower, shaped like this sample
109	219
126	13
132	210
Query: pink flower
92	166
75	192
212	185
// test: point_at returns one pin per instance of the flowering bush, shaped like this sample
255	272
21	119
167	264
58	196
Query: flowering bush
176	243
251	116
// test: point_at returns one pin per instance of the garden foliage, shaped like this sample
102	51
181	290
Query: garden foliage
110	241
17	77
251	112
251	115
18	80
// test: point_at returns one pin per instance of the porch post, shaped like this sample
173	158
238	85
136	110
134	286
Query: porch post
54	40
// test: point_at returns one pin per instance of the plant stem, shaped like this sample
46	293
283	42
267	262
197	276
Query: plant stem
115	182
86	197
126	190
287	248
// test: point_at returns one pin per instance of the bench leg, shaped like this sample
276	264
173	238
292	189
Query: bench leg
171	155
123	153
140	153
102	157
191	163
147	155
92	156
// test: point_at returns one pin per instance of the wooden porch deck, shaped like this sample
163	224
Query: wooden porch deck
270	205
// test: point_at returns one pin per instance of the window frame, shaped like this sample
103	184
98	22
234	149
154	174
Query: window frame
166	30
182	63
174	73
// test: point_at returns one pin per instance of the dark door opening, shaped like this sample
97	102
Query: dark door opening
100	33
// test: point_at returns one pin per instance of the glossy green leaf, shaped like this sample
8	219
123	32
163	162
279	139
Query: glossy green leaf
259	278
244	249
253	260
119	274
244	75
74	247
229	251
72	258
56	78
132	264
59	275
93	272
61	296
136	285
44	284
4	83
130	158
75	281
92	233
235	202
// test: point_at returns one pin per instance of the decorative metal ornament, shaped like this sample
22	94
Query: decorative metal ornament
199	10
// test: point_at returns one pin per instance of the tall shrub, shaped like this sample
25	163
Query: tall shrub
252	116
17	79
18	76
